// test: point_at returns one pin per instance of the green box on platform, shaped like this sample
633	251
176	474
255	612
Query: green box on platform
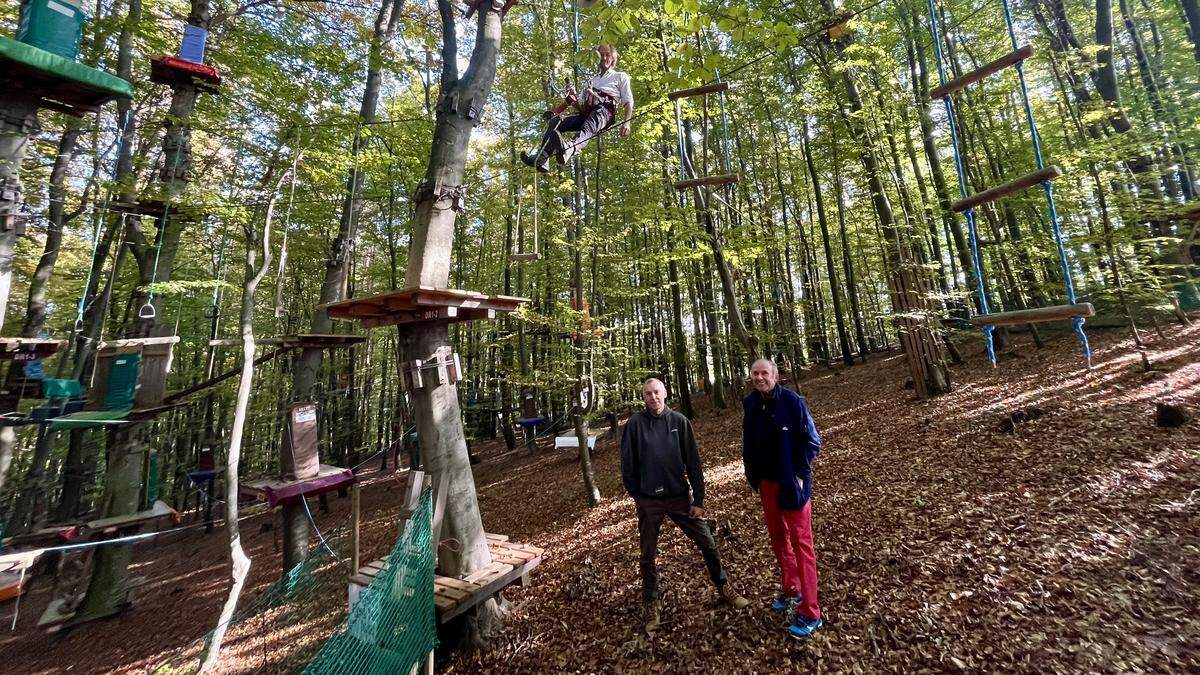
53	25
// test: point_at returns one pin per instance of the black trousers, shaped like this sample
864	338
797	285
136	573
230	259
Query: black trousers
651	512
585	124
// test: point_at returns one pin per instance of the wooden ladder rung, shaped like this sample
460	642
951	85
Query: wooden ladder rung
1011	187
1006	61
706	180
1038	315
524	257
710	88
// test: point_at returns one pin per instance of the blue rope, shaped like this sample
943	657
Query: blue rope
1048	187
962	187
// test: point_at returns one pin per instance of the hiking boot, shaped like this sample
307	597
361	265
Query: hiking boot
804	627
733	598
652	613
541	162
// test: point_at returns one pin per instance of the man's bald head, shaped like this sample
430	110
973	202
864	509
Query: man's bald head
654	395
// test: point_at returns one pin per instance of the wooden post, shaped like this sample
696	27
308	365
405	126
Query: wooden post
356	521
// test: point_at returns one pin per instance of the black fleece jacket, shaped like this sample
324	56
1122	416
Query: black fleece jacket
659	457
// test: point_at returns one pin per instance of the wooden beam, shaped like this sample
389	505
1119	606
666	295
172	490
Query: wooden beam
1038	315
1006	61
1000	191
727	179
710	88
223	376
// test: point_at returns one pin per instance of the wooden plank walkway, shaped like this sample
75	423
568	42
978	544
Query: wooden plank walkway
511	565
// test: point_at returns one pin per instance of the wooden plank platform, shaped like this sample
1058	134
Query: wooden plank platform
1000	191
710	88
160	510
511	565
1006	61
276	491
28	349
423	304
727	179
524	257
1038	315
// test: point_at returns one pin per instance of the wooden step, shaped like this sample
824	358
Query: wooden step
1006	61
1011	187
1038	315
710	88
727	179
523	257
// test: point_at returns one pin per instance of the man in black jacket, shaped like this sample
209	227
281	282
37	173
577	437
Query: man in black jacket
659	463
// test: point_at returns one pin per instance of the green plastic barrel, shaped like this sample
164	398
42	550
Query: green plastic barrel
53	25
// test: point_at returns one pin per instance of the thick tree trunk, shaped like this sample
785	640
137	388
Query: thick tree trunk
438	200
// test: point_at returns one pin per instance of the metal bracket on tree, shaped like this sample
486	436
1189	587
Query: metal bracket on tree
457	194
445	363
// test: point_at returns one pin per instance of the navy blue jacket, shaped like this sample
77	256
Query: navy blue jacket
779	444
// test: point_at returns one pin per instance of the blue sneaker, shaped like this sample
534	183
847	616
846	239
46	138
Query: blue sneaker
785	604
804	627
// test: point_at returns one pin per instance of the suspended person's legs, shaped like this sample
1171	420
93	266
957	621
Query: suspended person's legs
588	125
552	142
698	531
789	570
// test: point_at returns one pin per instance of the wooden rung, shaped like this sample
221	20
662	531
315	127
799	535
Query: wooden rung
1011	187
1006	61
524	257
1039	315
710	88
707	180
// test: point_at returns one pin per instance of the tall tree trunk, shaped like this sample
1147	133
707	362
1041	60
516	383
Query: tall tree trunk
438	200
830	267
239	562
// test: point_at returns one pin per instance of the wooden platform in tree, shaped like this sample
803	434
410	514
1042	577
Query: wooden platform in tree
301	341
176	72
510	566
727	179
28	349
1006	61
276	491
423	304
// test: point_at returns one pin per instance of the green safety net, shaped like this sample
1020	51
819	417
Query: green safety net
392	626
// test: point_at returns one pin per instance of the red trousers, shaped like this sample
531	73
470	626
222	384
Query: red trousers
791	537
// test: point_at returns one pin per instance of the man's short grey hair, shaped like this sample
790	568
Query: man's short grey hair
655	380
774	366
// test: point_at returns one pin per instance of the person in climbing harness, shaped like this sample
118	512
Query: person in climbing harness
779	444
659	462
607	93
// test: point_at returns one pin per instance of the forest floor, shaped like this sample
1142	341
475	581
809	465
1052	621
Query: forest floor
1071	543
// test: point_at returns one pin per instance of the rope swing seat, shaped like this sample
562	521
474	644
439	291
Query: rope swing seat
1044	176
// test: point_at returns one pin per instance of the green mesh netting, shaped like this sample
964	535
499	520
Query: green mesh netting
392	627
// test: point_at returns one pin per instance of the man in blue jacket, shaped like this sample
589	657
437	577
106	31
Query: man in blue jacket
659	462
779	444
